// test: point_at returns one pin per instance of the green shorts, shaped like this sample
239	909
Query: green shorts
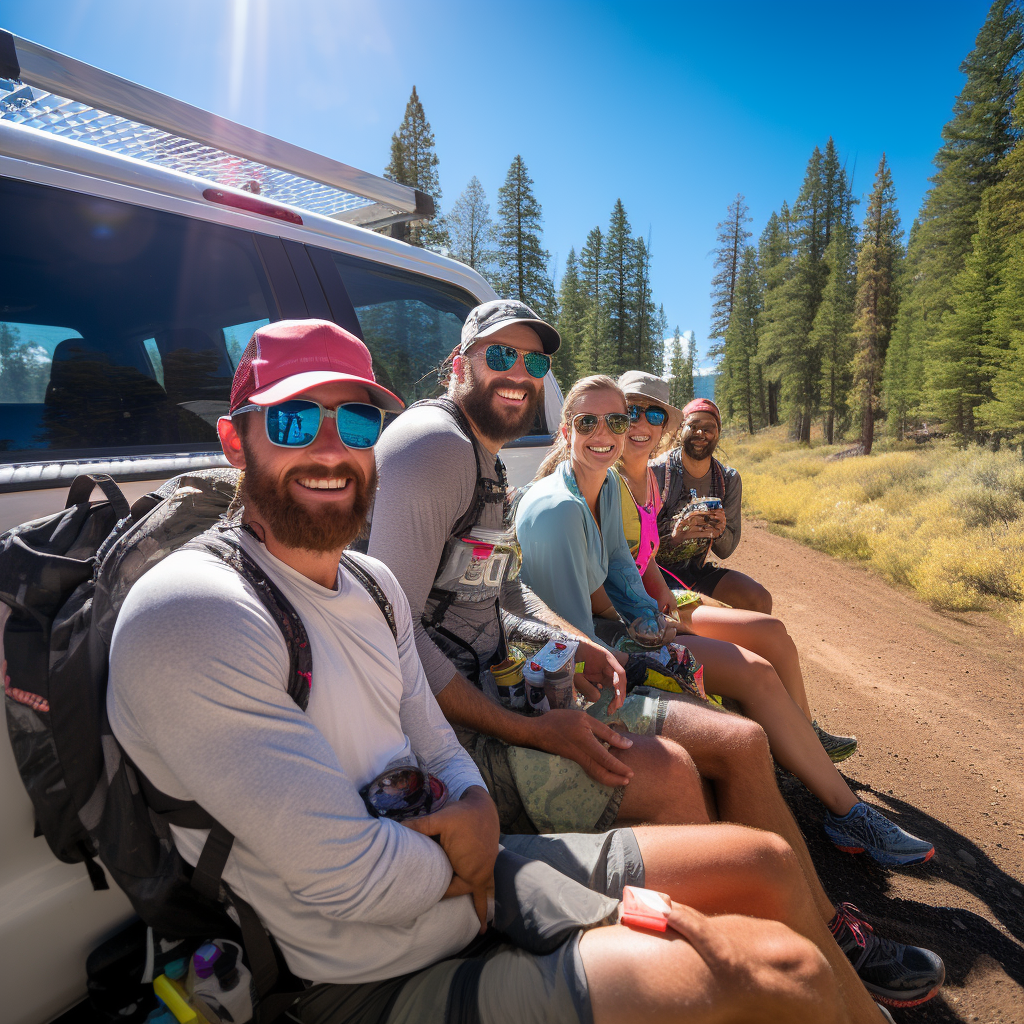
491	981
537	792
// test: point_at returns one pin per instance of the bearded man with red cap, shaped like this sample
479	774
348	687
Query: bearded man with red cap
688	535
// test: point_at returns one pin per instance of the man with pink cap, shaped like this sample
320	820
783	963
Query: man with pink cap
692	469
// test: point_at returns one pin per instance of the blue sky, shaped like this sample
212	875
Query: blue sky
673	107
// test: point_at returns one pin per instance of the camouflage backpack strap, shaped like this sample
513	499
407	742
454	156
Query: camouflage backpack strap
373	588
300	656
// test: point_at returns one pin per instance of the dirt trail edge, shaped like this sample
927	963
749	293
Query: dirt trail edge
936	701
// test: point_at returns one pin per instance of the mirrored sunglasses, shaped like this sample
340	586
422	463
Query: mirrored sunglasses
586	422
654	414
403	792
502	358
295	423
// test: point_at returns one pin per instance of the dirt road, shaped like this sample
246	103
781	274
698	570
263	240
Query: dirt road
937	701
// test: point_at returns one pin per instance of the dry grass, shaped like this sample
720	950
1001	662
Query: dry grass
945	521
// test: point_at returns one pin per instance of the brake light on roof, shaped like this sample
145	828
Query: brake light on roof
251	204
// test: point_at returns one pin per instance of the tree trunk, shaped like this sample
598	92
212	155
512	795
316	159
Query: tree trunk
868	430
773	403
830	426
805	424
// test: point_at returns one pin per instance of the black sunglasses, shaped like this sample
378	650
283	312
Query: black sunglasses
654	414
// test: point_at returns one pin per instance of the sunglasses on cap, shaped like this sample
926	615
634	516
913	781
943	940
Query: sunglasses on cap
295	423
404	791
501	358
586	422
654	414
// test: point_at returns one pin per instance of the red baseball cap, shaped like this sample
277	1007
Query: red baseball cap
703	405
288	357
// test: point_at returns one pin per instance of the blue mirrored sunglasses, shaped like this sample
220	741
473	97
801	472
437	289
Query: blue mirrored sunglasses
502	358
295	424
654	414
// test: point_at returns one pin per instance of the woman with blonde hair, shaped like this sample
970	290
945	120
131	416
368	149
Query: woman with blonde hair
569	526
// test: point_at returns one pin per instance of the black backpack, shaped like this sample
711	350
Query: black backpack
65	578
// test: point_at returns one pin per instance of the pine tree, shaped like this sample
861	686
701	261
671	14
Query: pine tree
680	372
774	261
741	396
903	371
571	323
832	333
469	227
522	262
617	281
976	142
414	163
590	354
878	271
732	237
648	328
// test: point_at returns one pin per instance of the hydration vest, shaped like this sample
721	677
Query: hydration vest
471	571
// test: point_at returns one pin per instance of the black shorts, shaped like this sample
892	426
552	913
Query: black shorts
703	580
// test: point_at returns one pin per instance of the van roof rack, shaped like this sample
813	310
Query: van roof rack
53	93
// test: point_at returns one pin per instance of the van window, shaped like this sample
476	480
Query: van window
409	323
124	325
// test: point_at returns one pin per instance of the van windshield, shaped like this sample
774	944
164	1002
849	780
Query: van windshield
121	326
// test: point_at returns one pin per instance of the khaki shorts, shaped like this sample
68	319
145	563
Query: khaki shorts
537	792
492	982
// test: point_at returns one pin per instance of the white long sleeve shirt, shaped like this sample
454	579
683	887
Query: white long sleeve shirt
198	698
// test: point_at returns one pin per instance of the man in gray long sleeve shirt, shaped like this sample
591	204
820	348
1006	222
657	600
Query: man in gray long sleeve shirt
369	911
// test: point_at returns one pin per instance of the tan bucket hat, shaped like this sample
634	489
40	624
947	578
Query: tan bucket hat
654	391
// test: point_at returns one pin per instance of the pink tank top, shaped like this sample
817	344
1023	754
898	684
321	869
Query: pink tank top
648	525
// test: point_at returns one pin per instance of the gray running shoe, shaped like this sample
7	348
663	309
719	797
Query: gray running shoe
895	974
866	829
839	748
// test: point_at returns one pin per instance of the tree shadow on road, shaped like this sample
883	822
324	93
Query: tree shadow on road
965	940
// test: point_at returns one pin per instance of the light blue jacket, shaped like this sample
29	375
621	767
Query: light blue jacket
566	556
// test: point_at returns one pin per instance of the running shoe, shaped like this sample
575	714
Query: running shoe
839	748
865	829
893	974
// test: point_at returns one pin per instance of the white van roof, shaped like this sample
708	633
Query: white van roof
52	93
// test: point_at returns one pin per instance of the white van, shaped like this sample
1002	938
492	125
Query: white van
143	242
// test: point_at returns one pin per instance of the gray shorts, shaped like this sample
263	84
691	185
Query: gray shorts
492	982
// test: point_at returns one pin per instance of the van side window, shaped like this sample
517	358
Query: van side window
124	325
410	323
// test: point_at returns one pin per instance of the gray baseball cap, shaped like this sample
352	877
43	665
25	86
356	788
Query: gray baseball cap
491	316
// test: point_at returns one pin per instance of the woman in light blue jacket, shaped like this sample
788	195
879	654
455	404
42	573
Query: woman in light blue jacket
569	522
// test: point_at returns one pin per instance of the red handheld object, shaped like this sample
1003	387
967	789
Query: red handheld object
645	908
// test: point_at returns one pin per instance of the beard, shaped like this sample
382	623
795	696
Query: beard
699	453
321	529
495	422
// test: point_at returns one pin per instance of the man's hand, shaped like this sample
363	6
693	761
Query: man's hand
601	668
580	738
468	831
698	524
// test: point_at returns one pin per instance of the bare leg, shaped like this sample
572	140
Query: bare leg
666	788
734	672
736	970
732	752
740	591
763	634
725	869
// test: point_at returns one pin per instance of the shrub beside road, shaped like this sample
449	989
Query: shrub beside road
946	521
